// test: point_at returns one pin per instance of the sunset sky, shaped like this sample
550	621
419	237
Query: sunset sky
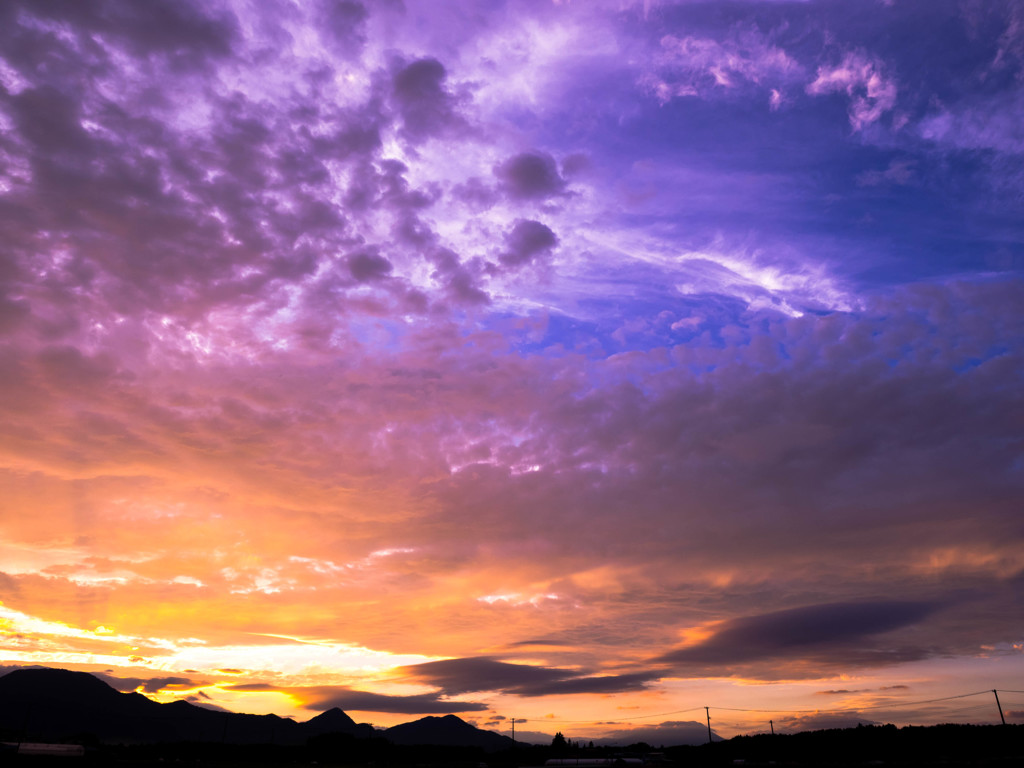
584	362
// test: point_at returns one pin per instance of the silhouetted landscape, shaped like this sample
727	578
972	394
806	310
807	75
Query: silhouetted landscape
56	706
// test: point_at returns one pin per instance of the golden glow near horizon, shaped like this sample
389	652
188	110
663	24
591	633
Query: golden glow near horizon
290	679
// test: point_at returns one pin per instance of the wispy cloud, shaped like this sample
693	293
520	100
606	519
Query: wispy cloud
862	78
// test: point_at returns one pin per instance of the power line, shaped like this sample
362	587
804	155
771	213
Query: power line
860	709
891	705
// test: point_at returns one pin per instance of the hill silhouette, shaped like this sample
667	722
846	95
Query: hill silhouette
334	720
58	704
54	705
447	731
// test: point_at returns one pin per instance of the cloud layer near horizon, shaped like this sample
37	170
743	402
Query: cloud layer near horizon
541	350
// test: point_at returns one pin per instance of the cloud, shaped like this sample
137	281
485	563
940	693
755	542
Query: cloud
530	175
181	36
149	684
426	106
977	122
862	78
705	67
899	172
840	631
527	241
457	676
325	697
600	684
345	24
366	267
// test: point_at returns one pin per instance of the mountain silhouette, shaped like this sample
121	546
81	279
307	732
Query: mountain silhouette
44	704
447	731
336	721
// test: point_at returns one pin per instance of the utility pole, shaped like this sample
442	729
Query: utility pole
770	723
513	733
707	712
999	706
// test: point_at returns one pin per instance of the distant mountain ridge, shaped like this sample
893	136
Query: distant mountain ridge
45	704
335	720
447	731
53	704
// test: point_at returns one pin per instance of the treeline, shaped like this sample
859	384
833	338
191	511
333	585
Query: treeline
948	746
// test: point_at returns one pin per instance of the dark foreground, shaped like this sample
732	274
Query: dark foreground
945	746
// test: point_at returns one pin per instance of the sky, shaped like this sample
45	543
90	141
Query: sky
583	363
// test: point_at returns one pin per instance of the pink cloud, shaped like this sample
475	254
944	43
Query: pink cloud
693	66
862	78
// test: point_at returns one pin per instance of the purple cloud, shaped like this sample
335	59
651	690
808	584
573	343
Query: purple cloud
530	175
528	240
367	266
840	627
458	676
426	106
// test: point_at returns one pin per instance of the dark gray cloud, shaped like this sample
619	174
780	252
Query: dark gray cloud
476	193
426	106
546	642
456	676
366	266
633	681
50	121
530	175
462	280
345	23
148	684
363	701
326	697
836	628
182	35
847	691
527	241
